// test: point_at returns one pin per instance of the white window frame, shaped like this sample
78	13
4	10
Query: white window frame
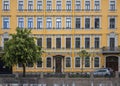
37	5
80	23
99	22
36	23
71	41
99	40
99	5
109	22
28	7
89	62
3	23
87	36
115	4
46	5
18	4
70	24
56	5
56	41
90	23
85	6
49	19
51	62
80	40
33	22
75	62
60	19
80	4
3	4
51	41
99	62
71	61
23	21
66	5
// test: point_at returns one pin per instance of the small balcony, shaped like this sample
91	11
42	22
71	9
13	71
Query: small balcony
109	50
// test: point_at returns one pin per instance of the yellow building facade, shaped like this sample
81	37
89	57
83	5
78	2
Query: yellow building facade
65	27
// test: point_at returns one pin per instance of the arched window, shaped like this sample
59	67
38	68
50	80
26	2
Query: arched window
48	62
68	62
96	62
77	62
87	61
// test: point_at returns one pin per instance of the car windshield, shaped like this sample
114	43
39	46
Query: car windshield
101	71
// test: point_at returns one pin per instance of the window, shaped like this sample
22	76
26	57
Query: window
112	5
30	5
87	5
49	5
39	5
39	23
19	64
68	23
6	23
49	42
48	62
87	42
68	42
58	23
49	23
96	62
97	42
68	62
58	5
39	42
112	23
39	63
30	23
6	39
68	5
78	5
29	64
77	62
97	5
77	42
20	5
6	6
58	42
21	22
78	23
87	23
87	61
97	23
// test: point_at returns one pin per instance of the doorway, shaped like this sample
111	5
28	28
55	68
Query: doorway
112	62
58	65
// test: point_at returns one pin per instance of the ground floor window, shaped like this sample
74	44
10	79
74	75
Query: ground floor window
49	62
77	62
96	62
68	62
87	61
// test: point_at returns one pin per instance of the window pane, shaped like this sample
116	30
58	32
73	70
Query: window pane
68	42
49	43
21	22
6	23
97	5
87	5
87	23
49	23
68	5
97	42
6	5
39	23
39	42
58	5
78	5
96	62
30	5
29	64
68	62
87	62
78	23
39	5
87	42
58	23
77	42
20	6
58	42
97	23
68	23
112	5
30	23
112	23
48	62
77	62
39	63
49	5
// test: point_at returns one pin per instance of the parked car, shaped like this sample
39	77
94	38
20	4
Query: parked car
102	72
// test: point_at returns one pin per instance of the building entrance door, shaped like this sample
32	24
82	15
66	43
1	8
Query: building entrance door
58	64
112	62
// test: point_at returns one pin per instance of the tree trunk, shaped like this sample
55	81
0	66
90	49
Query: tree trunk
24	70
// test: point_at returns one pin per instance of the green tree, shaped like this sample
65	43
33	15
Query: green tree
21	49
83	54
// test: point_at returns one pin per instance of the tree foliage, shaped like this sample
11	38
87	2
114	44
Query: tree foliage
21	49
83	54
